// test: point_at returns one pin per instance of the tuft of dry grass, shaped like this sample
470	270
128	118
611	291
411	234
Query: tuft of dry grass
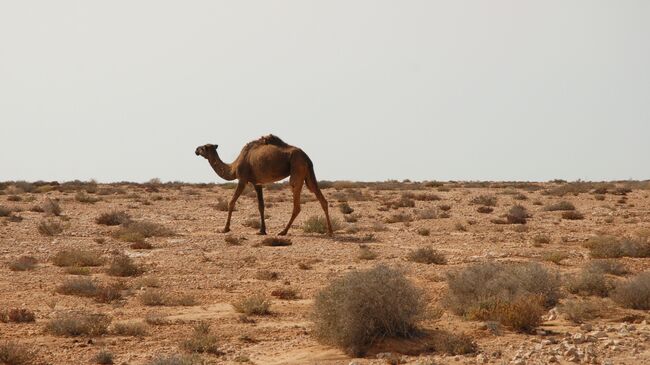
104	357
113	218
563	205
613	247
362	307
77	257
79	286
49	227
285	294
485	209
135	329
253	305
318	224
492	291
123	266
399	217
266	275
202	340
365	253
17	315
276	241
607	266
485	200
176	359
157	297
452	343
541	239
427	255
572	215
555	257
589	282
233	241
78	324
108	293
12	353
582	310
345	208
633	293
51	207
517	215
83	197
135	231
23	263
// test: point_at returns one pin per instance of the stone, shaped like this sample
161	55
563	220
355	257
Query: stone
586	327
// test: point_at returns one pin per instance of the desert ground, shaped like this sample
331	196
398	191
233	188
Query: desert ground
60	261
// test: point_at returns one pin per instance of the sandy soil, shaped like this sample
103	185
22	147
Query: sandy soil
197	261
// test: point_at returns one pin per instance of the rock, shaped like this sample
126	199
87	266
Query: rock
354	363
384	355
518	362
598	334
578	338
481	359
586	327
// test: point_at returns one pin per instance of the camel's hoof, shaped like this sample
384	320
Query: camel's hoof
261	233
225	230
282	233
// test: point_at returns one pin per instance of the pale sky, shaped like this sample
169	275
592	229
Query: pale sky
371	90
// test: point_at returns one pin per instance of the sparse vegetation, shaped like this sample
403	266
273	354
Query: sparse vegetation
572	215
77	257
318	224
634	293
485	209
136	329
345	208
582	310
563	205
23	263
51	207
607	266
123	265
555	257
485	200
202	340
541	239
423	231
517	215
512	294
17	315
12	353
285	294
589	282
78	324
79	286
364	306
613	247
113	218
365	253
83	197
138	230
451	343
399	217
49	227
266	275
232	240
253	305
104	357
427	255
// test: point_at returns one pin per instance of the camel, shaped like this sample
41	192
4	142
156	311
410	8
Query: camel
263	161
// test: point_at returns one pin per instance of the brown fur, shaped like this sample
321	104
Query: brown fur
264	161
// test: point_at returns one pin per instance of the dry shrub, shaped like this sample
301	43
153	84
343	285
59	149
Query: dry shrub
78	324
23	263
202	340
83	287
485	200
572	215
114	218
318	224
423	231
12	353
563	205
252	223
607	266
541	239
222	205
276	241
232	240
144	229
4	211
517	215
51	207
17	315
613	247
582	310
83	197
285	294
634	293
399	217
104	357
176	359
555	257
365	253
402	202
123	266
427	213
136	329
362	307
266	275
452	343
154	297
141	245
444	207
77	257
77	270
253	305
574	188
490	291
14	198
156	319
485	209
589	282
49	228
427	255
345	208
108	293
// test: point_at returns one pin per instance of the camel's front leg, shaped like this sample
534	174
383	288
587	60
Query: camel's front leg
231	205
260	206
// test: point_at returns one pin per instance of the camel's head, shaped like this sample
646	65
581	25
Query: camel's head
205	149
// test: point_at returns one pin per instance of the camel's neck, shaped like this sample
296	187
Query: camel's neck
221	168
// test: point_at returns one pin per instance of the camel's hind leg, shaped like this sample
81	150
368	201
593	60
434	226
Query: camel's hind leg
296	187
312	185
231	205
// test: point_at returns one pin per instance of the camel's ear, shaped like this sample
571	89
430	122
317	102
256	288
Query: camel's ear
215	146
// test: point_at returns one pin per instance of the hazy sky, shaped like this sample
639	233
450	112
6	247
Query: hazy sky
371	90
